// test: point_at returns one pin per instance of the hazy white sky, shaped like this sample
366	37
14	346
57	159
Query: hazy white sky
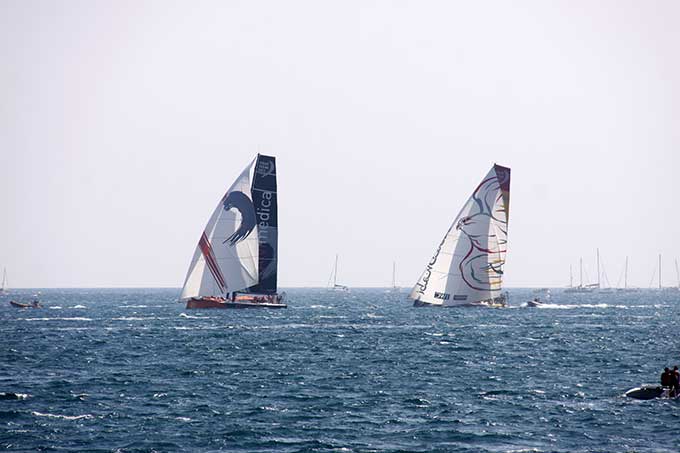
123	123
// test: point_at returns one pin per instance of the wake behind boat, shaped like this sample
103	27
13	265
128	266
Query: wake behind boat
235	262
467	267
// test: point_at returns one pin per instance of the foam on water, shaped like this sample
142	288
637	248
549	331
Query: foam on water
58	319
64	417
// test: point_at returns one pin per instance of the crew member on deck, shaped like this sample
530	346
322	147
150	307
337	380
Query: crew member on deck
675	382
666	377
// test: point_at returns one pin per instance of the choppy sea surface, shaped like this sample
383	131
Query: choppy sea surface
133	371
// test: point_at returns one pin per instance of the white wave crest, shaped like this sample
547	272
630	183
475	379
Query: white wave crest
576	306
64	417
132	318
184	315
58	319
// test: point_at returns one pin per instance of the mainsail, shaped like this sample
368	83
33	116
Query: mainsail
238	248
467	267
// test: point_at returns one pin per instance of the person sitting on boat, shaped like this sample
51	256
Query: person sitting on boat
675	382
666	377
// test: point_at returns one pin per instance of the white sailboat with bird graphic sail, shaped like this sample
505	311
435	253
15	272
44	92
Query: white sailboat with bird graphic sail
235	262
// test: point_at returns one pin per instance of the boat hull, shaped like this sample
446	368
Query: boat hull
227	304
485	304
20	305
647	393
420	303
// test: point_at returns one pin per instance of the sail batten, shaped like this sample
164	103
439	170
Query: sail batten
467	267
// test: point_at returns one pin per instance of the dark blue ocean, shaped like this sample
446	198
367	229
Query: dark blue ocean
133	371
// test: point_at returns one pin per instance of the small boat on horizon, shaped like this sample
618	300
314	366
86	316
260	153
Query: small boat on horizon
334	276
33	304
3	288
581	288
467	267
235	262
537	302
394	289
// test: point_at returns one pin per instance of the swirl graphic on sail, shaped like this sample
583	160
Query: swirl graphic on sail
241	203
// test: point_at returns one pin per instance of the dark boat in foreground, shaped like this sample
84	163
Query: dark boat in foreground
648	392
235	262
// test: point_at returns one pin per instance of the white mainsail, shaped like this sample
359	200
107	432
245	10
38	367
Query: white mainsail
467	267
226	257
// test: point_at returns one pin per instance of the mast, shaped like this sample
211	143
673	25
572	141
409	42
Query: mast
394	270
677	272
571	277
580	266
625	275
659	270
335	271
598	267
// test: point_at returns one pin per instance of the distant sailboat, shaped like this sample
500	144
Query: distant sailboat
580	288
235	262
3	288
467	267
625	288
334	276
669	288
394	288
604	285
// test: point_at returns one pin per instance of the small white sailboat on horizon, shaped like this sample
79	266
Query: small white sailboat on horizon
626	288
394	288
235	262
581	288
467	267
334	277
670	289
3	288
